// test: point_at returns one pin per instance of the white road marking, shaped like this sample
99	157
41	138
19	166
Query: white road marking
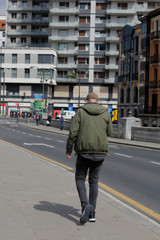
38	136
60	141
23	133
122	155
113	146
48	138
38	144
30	134
155	162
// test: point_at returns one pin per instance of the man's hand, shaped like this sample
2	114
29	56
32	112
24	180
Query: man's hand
69	155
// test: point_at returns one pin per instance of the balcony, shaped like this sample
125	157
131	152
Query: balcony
109	80
119	11
32	33
66	11
66	66
154	110
66	80
155	35
67	52
124	78
112	39
111	53
155	59
154	84
63	39
30	9
111	67
64	24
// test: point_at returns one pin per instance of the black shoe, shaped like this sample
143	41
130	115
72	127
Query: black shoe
92	217
85	213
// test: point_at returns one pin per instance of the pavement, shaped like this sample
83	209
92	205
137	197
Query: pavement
39	201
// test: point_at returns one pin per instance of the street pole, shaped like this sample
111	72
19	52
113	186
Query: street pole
0	86
3	91
79	93
130	85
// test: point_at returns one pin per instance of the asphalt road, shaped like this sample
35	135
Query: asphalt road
134	172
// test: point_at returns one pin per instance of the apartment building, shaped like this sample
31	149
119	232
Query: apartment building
85	35
27	23
26	73
2	30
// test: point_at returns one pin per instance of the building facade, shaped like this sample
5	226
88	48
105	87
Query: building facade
129	72
26	73
2	31
85	35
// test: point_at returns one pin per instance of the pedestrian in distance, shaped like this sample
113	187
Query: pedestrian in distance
61	122
37	119
88	134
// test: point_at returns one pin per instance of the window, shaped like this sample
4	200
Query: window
23	40
128	95
3	34
46	58
63	5
63	33
100	47
24	15
63	60
100	33
27	73
13	27
121	19
100	20
62	74
23	27
62	46
84	6
84	19
108	19
24	3
27	58
13	40
14	58
136	95
122	96
83	47
14	73
99	74
83	33
14	3
108	33
107	74
108	46
99	61
12	89
122	5
14	15
1	58
63	18
101	6
83	61
46	73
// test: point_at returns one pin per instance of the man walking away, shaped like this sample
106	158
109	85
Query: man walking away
88	134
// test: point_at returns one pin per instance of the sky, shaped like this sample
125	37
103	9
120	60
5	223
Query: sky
3	7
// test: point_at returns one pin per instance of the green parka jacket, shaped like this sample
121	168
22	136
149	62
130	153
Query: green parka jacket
89	130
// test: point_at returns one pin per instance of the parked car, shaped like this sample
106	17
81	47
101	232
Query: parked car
66	114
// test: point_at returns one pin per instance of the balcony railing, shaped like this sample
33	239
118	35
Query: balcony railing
155	59
154	110
154	84
155	34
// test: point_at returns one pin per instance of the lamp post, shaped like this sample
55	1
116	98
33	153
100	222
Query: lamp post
3	91
77	71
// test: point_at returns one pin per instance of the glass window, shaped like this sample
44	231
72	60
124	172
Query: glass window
27	73
14	73
63	18
46	73
1	58
100	47
24	3
27	58
24	15
64	5
14	15
62	46
46	58
13	27
14	3
13	40
23	27
14	58
12	90
62	60
23	40
63	33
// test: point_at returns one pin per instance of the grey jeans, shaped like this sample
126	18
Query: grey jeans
83	165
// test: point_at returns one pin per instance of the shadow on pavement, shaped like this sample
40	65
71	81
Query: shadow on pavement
60	209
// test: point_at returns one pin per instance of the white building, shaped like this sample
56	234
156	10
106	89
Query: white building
26	73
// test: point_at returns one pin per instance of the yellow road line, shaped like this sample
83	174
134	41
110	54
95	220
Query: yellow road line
38	155
111	190
131	201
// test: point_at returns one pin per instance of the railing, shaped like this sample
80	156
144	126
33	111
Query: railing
155	34
153	110
155	59
153	84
